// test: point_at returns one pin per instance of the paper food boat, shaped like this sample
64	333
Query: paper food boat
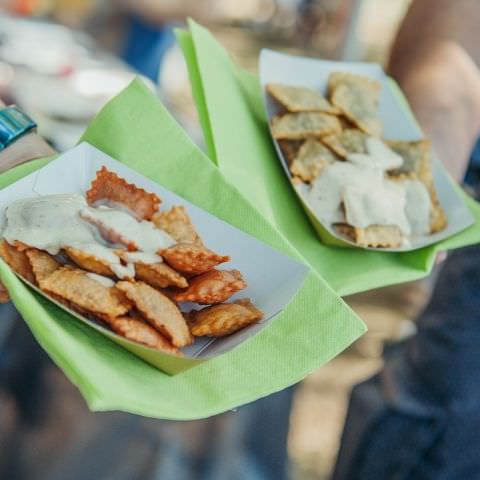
398	124
273	278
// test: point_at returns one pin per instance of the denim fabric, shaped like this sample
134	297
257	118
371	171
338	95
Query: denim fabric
146	46
419	418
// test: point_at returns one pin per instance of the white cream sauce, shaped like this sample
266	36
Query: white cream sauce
106	254
382	155
48	222
143	234
142	257
359	192
106	203
379	203
418	208
54	222
105	281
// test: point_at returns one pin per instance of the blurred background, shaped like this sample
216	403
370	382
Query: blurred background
61	60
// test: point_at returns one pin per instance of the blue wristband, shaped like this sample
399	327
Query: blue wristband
13	124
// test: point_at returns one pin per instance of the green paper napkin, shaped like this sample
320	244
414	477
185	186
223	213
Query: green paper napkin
136	129
231	112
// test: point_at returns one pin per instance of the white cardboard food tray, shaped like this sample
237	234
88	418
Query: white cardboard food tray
398	125
273	278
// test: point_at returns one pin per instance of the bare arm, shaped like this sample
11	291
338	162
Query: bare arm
27	147
435	60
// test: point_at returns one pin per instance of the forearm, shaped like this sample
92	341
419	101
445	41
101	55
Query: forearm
28	147
25	148
435	61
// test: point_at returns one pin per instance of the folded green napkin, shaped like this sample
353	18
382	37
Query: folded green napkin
230	105
136	129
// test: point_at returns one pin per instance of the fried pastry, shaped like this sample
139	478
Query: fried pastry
350	140
108	186
215	286
89	262
312	157
159	311
417	165
20	246
134	329
290	149
192	259
359	106
224	319
158	275
177	224
416	160
352	80
375	236
75	286
300	99
302	125
17	260
42	264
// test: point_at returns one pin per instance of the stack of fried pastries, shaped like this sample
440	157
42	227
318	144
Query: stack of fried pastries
152	304
314	131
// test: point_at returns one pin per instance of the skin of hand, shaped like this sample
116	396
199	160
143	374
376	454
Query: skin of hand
435	60
29	146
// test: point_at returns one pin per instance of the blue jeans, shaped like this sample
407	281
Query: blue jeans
419	418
